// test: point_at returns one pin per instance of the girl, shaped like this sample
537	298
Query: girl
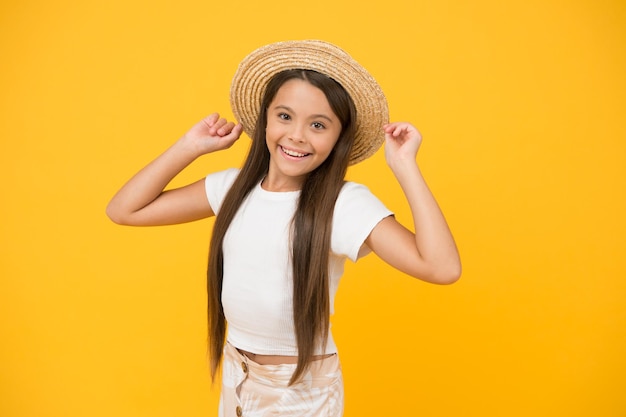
287	220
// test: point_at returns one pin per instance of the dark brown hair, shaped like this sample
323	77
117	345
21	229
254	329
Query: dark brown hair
311	224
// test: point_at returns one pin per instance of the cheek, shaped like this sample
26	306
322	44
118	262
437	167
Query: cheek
271	131
324	148
330	142
328	147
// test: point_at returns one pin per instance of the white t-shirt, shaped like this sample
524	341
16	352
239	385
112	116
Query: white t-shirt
257	287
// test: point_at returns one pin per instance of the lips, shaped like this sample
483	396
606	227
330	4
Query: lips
293	154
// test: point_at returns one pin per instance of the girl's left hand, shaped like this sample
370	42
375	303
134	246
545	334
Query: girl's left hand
402	141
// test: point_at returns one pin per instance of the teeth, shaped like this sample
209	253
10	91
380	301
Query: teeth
293	153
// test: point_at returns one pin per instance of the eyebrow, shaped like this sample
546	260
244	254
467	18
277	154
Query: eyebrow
313	116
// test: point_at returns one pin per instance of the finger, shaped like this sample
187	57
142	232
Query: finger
211	119
398	131
226	129
395	129
233	135
217	126
388	127
237	130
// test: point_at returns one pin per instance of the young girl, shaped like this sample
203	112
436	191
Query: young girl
287	220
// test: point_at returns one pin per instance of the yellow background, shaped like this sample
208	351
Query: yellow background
522	107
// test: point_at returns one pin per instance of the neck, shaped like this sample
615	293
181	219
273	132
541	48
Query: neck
281	185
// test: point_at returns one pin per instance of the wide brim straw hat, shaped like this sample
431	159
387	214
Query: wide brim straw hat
256	70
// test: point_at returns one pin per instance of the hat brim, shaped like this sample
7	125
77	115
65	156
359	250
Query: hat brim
256	70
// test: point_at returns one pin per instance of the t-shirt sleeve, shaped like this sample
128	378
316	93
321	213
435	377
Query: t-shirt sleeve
357	212
217	185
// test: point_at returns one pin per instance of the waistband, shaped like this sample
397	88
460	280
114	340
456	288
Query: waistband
322	371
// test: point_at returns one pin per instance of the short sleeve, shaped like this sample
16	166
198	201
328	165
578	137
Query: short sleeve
217	185
357	212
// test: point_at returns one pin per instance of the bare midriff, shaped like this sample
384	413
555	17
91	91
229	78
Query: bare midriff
277	359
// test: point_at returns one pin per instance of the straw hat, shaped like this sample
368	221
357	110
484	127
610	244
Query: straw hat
261	65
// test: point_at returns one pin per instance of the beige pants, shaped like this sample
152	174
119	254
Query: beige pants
253	390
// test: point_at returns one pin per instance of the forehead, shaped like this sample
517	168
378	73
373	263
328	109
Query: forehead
301	95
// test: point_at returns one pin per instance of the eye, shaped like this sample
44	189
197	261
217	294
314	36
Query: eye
318	125
284	116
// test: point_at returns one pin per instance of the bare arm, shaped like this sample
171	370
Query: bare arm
142	201
430	253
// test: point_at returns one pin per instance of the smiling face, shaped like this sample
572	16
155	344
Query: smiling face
301	132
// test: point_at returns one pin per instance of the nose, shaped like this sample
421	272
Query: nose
297	133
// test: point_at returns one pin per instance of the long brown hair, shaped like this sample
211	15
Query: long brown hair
311	225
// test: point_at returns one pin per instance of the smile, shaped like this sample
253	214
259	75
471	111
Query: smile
293	153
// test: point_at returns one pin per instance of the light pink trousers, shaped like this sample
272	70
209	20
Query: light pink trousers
253	390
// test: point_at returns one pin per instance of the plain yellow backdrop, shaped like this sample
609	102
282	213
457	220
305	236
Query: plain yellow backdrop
522	107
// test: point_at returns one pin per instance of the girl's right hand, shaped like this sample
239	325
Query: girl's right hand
142	201
213	133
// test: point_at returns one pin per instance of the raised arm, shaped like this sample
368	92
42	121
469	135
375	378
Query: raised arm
430	253
142	201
